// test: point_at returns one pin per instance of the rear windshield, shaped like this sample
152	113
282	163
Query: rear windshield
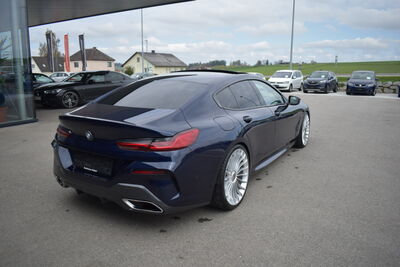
163	93
282	74
363	75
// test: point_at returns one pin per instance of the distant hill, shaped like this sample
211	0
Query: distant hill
340	68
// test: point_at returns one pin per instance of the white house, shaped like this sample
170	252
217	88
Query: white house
157	63
95	60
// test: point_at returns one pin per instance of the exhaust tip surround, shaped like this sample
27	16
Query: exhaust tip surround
142	205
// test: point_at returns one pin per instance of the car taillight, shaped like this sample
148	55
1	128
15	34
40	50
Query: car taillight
179	141
62	132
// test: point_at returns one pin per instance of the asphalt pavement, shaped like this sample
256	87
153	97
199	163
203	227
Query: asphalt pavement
334	203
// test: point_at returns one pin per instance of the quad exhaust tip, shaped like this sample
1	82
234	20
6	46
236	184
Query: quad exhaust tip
143	206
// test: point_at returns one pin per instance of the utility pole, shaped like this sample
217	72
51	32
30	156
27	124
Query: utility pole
141	17
291	40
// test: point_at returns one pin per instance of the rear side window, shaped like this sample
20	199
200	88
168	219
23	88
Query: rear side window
245	95
226	99
113	76
163	93
270	96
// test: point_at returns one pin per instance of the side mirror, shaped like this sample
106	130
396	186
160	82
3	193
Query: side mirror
294	100
91	81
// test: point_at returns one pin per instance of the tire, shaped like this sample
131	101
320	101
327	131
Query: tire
290	88
326	89
373	93
70	99
335	89
301	87
305	91
347	93
304	134
225	196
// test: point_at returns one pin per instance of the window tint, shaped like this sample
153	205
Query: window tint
270	96
164	93
245	95
42	79
97	78
226	99
113	76
76	78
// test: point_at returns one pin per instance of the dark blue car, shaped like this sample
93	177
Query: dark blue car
362	82
322	81
169	143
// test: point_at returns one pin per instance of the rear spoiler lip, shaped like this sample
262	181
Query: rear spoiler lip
69	116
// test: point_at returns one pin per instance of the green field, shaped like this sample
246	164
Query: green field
340	68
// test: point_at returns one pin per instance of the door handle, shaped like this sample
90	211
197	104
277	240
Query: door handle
247	119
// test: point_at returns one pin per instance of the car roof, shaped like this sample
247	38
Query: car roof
364	71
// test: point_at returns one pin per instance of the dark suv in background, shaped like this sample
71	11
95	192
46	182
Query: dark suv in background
362	82
322	81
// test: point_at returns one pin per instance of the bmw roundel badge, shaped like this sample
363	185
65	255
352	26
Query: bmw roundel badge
89	135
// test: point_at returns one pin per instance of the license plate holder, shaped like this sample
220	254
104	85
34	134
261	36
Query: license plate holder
93	164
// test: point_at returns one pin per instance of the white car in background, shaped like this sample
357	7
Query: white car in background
287	80
60	75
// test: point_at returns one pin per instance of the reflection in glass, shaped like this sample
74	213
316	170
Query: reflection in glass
16	98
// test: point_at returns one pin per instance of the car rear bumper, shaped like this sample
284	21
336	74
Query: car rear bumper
141	193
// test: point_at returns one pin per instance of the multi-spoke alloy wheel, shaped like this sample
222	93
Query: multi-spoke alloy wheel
232	180
305	134
236	176
70	99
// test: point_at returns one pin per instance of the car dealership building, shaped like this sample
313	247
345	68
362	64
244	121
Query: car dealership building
16	16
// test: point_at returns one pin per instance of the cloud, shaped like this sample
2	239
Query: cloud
367	18
257	29
357	43
281	28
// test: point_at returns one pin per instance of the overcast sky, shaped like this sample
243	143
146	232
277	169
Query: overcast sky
203	30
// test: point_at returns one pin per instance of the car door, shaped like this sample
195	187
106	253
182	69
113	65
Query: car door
256	119
97	85
286	117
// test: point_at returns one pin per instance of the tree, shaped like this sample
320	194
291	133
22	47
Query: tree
128	70
4	49
55	44
258	63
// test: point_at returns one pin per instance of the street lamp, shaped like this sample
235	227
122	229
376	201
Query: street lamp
141	18
291	40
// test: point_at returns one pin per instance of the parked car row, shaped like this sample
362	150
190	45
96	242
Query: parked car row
360	82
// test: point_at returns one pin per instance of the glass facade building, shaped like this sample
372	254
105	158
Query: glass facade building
16	98
16	16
